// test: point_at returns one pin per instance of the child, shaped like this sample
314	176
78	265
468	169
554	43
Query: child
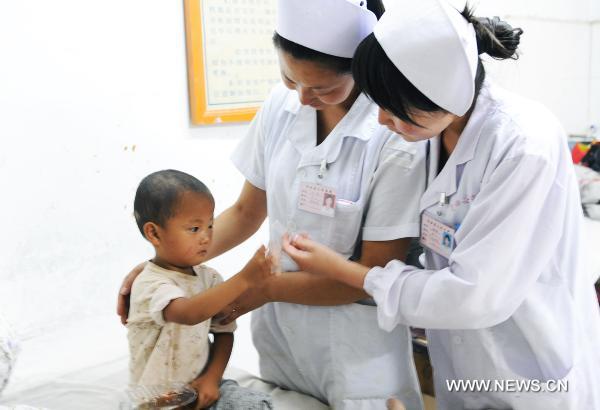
174	298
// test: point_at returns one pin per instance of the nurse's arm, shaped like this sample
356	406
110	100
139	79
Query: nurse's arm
506	241
240	221
309	289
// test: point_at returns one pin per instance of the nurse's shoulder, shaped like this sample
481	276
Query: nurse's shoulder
274	115
280	99
522	127
398	151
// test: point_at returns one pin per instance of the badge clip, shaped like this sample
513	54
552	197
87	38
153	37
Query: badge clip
443	199
322	169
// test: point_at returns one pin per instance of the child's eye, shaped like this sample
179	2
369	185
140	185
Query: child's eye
210	226
194	229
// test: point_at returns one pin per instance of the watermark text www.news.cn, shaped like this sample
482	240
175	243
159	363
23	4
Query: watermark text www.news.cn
508	386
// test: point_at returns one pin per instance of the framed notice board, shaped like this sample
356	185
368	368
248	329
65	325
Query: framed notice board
232	63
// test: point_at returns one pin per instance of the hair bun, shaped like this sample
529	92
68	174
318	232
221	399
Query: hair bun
495	37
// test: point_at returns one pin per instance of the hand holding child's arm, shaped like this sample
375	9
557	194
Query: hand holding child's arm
123	299
316	258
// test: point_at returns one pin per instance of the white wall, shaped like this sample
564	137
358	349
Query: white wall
556	61
595	69
93	96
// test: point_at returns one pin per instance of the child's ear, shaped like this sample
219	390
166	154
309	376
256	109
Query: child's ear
151	233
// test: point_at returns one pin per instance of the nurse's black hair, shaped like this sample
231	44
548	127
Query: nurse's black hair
158	195
340	65
376	75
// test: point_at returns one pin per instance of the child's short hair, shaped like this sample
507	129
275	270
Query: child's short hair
157	195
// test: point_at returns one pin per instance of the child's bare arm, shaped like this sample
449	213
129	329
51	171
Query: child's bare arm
219	357
201	307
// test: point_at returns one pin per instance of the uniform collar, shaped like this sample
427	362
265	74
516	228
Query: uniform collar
446	181
292	103
360	122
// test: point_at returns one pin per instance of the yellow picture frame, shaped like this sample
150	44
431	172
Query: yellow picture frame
201	111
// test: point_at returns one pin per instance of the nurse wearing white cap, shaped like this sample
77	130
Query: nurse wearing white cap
316	142
503	295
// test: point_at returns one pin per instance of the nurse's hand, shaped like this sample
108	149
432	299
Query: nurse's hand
312	256
123	299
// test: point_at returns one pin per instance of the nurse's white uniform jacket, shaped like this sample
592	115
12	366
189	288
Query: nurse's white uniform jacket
337	354
511	302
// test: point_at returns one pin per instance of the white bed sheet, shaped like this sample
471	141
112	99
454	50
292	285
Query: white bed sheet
83	366
101	388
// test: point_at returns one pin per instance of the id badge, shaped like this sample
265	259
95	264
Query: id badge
437	236
317	199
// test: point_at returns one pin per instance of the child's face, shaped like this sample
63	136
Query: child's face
186	236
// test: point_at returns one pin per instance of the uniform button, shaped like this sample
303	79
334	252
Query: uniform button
457	339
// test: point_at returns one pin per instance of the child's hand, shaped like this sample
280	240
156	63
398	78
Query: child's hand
313	257
395	404
258	269
208	392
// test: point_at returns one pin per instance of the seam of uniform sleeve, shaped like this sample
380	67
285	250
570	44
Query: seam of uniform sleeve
389	233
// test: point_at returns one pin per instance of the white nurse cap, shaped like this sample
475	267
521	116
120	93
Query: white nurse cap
435	48
334	27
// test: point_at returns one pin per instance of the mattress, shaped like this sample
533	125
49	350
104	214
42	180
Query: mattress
84	366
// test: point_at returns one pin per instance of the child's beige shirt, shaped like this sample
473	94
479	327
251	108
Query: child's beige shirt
162	352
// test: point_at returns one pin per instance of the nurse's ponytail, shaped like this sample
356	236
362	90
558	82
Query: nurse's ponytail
376	6
376	75
495	37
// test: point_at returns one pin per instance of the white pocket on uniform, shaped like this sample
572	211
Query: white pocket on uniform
342	230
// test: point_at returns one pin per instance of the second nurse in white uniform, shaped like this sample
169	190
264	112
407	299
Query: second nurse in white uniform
503	295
